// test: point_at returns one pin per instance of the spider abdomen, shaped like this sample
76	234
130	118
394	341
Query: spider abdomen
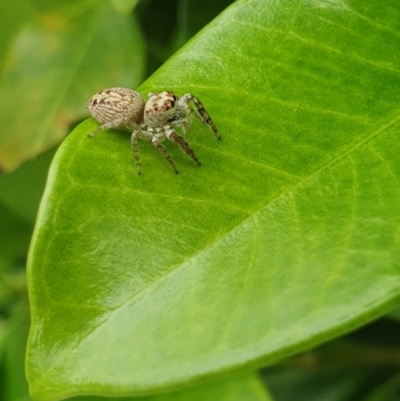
117	104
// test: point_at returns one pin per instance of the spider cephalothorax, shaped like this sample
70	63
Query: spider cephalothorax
162	109
154	120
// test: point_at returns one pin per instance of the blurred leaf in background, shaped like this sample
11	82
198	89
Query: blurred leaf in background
123	6
54	56
170	24
363	365
15	235
23	189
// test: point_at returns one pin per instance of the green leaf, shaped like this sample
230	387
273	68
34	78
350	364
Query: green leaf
388	391
316	383
15	235
394	313
4	328
23	188
286	236
55	55
192	16
15	386
245	387
124	6
340	370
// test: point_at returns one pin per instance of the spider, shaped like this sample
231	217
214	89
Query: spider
153	120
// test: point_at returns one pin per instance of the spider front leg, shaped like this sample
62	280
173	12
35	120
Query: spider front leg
204	116
156	142
174	137
135	149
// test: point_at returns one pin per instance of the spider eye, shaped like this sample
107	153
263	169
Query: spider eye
172	119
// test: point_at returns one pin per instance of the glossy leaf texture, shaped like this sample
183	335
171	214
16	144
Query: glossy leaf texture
286	236
54	56
243	387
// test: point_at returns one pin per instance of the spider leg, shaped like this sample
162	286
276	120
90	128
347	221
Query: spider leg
185	125
174	137
204	116
146	132
135	150
156	143
103	127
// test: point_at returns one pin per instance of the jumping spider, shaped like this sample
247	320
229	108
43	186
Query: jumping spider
153	120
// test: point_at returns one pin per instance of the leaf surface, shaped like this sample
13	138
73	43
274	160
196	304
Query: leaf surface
286	236
243	387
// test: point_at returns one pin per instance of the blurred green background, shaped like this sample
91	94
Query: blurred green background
54	54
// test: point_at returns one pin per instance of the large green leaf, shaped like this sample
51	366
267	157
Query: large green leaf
245	387
54	55
286	236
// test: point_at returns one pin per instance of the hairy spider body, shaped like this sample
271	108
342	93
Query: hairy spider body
153	120
116	108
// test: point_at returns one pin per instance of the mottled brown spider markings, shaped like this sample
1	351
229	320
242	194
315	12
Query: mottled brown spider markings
152	120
